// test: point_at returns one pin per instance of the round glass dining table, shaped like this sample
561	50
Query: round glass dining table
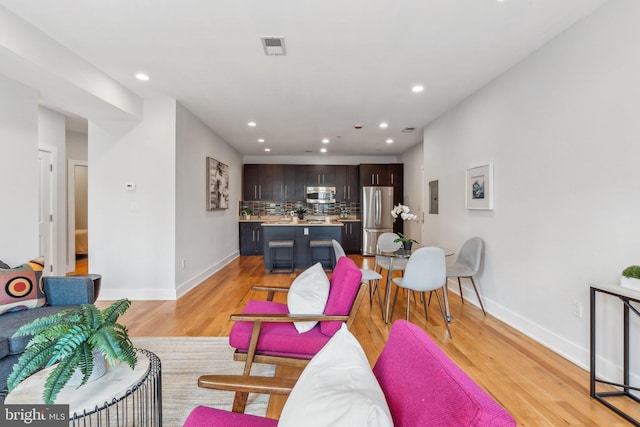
406	254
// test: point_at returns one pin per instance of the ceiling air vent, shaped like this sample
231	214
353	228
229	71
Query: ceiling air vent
407	130
273	46
308	151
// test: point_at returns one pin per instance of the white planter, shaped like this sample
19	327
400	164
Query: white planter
99	369
630	283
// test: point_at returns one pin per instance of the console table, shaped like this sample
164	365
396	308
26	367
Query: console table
122	397
626	296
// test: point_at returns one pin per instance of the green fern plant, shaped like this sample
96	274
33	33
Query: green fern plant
70	337
632	272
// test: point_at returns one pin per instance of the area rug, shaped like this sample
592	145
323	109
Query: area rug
183	360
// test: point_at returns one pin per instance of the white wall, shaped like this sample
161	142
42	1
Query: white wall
205	240
413	181
18	172
51	133
76	146
132	240
562	131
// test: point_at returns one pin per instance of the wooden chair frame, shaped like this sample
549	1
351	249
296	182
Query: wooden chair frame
245	384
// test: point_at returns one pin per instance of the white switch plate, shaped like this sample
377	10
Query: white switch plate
306	231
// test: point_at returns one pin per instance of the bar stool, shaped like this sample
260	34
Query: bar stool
322	243
274	245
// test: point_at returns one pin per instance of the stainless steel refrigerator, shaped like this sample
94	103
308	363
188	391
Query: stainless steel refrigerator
377	203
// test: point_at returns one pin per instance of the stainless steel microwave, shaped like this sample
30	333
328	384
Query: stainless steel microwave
321	194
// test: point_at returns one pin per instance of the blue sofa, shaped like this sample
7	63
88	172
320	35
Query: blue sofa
61	293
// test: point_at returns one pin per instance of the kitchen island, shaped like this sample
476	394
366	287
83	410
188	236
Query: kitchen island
301	233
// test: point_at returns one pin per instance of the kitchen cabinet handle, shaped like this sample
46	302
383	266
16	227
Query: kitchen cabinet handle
281	191
258	233
255	191
373	180
392	179
349	192
344	191
253	235
286	192
260	191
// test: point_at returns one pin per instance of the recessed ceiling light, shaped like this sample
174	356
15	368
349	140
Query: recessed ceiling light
252	124
261	140
142	76
323	150
384	125
389	141
267	149
325	141
417	88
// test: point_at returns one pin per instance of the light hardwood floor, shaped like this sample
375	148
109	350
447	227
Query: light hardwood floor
534	384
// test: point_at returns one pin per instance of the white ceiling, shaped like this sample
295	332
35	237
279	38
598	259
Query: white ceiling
348	62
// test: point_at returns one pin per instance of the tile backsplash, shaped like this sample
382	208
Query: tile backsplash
283	208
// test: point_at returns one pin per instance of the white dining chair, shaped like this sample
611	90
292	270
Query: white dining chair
467	265
370	276
386	244
426	271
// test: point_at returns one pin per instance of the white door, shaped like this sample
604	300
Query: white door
45	209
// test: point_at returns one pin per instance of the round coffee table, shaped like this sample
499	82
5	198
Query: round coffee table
122	397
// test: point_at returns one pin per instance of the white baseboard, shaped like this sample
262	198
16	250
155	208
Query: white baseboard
149	294
185	287
137	294
569	350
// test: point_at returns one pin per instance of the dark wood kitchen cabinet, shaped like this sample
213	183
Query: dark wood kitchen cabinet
295	180
352	237
387	175
251	241
347	188
288	182
262	182
374	175
384	174
321	175
250	182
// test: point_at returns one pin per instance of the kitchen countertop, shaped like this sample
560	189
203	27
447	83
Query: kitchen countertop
272	220
313	223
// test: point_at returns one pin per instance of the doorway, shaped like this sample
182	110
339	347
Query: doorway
78	216
46	207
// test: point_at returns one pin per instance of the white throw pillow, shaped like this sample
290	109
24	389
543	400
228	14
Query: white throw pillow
337	388
308	294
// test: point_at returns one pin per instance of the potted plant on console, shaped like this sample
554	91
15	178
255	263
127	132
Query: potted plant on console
631	278
78	340
247	212
406	242
301	211
405	214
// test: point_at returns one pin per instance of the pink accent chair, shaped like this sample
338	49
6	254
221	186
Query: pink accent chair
422	386
264	332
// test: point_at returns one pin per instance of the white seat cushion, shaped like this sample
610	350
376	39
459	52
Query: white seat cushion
370	275
457	270
398	263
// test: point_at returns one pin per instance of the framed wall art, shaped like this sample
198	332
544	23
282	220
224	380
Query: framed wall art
217	185
479	187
